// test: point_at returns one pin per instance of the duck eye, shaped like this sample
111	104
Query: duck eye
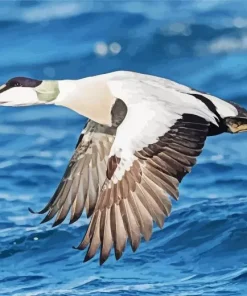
13	83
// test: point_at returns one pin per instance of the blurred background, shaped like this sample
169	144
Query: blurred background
202	249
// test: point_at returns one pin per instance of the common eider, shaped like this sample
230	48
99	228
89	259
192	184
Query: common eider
142	137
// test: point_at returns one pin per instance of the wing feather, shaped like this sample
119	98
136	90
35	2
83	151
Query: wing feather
95	241
84	176
107	240
118	231
142	215
130	224
139	195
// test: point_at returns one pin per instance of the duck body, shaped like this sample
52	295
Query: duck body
143	136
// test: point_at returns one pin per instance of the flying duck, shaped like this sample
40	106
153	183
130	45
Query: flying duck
142	137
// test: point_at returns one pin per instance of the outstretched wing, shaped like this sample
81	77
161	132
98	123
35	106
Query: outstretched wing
151	154
155	147
84	176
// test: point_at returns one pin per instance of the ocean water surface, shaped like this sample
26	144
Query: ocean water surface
202	249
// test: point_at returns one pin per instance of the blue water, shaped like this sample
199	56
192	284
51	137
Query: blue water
202	249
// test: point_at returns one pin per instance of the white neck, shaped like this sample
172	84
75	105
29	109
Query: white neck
89	97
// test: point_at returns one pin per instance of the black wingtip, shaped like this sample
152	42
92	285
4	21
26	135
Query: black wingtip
86	258
74	219
57	222
38	212
46	219
79	247
31	211
82	245
118	254
103	259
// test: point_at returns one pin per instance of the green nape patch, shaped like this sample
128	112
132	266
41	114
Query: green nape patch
47	91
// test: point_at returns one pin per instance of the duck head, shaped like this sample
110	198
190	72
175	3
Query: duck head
23	91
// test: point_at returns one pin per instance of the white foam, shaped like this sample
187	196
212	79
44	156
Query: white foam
50	11
228	44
